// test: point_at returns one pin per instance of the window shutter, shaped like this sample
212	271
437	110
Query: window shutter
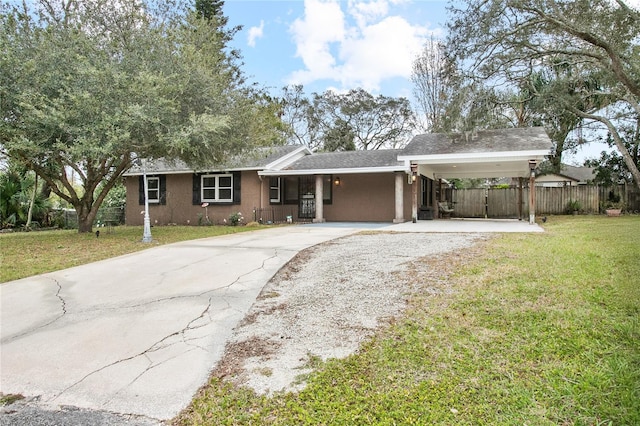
163	189
236	187
141	190
196	189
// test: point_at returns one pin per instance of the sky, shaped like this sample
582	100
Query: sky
341	45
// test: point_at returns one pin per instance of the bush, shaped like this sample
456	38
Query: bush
574	206
236	219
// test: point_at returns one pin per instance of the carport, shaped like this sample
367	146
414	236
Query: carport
513	153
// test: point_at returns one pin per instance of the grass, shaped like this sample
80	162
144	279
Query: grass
24	254
536	329
9	399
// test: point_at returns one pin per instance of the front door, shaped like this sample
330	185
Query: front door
307	197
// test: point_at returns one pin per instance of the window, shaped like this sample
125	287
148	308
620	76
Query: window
153	189
291	190
156	190
217	188
274	190
304	187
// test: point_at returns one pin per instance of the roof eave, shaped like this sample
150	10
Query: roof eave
157	172
474	157
331	171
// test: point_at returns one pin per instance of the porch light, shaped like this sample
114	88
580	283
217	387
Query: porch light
532	165
414	173
336	181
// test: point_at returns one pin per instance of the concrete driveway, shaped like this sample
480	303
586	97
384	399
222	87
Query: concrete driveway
138	334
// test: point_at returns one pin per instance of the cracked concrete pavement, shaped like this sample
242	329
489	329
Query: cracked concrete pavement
140	333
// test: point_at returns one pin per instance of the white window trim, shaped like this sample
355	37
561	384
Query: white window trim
157	189
278	187
217	188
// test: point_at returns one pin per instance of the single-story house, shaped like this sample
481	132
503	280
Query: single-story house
568	176
292	182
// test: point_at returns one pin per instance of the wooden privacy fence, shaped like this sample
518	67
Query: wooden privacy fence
469	202
503	202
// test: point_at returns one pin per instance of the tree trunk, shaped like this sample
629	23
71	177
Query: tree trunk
84	225
86	216
626	155
32	202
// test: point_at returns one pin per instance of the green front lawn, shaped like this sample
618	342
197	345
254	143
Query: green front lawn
541	329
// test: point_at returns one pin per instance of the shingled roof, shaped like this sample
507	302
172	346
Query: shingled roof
481	141
258	160
349	160
444	152
579	174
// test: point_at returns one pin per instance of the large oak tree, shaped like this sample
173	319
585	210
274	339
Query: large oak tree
89	86
355	119
594	42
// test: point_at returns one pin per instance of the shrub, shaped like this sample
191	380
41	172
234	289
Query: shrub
236	219
574	206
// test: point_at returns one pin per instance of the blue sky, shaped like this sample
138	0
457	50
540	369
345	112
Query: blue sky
326	44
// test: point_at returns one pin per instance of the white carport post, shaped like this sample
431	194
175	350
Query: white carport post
400	177
532	192
319	197
414	193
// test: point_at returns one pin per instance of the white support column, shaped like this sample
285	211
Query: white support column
414	193
400	177
532	193
319	196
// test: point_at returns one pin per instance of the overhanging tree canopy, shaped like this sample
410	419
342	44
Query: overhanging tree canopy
594	41
87	88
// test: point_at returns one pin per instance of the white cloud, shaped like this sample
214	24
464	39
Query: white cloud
322	25
359	47
366	12
255	33
383	50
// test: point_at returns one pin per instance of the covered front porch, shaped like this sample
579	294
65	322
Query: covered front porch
352	186
341	196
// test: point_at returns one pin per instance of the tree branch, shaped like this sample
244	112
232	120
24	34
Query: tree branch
619	142
616	62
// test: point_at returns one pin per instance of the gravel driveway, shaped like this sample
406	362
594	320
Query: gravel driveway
321	305
324	303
